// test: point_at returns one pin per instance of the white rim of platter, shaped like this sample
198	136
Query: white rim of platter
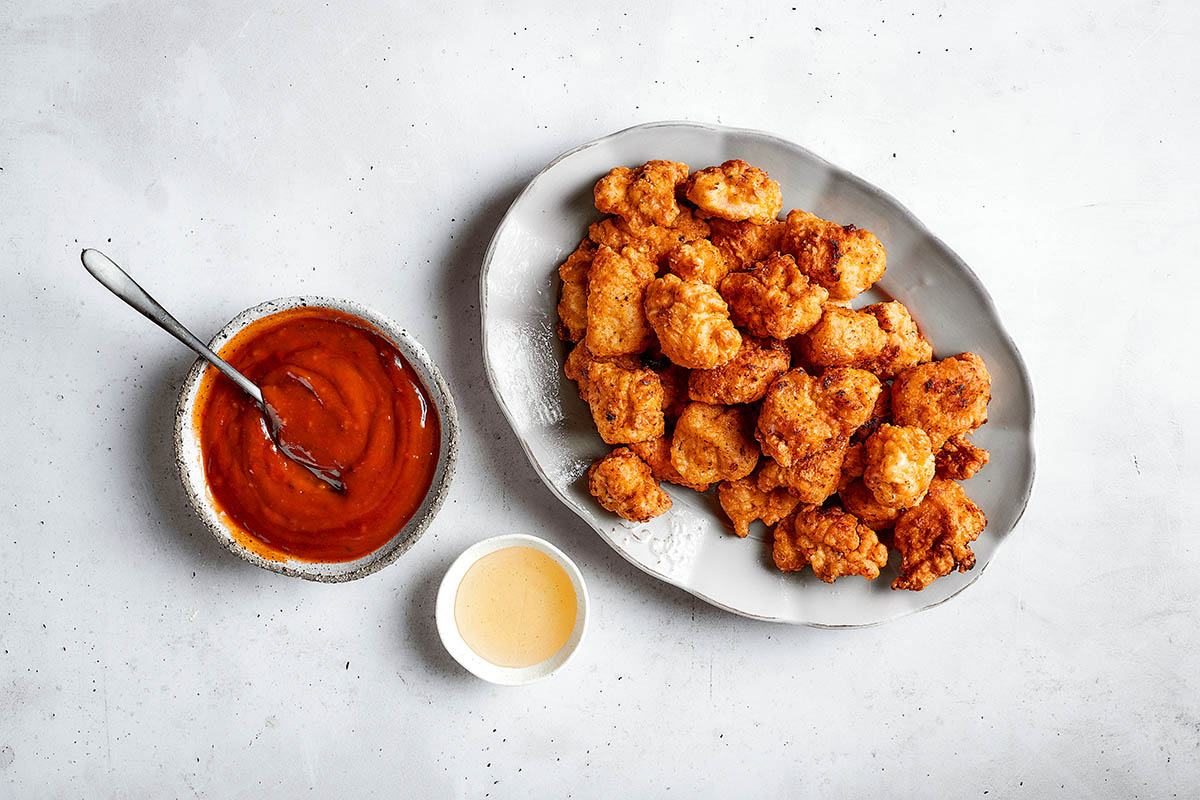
689	546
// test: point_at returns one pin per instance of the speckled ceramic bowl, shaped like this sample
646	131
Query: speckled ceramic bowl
191	467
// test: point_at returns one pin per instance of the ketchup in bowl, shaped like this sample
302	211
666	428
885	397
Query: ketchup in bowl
346	396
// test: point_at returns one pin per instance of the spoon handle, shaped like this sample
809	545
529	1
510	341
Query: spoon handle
119	283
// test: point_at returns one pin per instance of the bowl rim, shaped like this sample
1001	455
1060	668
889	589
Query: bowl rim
867	186
191	470
471	661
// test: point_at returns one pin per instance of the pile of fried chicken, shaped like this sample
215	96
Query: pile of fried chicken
715	344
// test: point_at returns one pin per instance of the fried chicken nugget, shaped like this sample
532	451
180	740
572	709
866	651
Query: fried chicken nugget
934	538
616	319
844	337
743	502
905	347
802	414
735	191
774	298
898	465
626	403
744	244
623	484
811	479
692	322
853	464
580	358
644	195
572	304
944	398
713	443
657	454
653	240
831	541
860	502
881	413
745	377
960	458
844	259
698	260
675	390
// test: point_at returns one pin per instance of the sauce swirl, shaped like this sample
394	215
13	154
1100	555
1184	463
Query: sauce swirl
351	403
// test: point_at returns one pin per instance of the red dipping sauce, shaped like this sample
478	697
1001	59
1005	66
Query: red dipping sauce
346	395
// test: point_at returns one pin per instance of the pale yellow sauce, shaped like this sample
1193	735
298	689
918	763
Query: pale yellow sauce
515	607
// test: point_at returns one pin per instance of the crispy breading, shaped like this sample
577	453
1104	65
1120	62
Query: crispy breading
905	347
743	502
829	540
934	538
745	377
844	259
944	398
644	195
960	458
735	191
653	240
744	244
881	413
844	337
675	390
811	479
692	322
898	465
802	414
616	293
580	358
626	403
774	298
698	260
657	453
713	443
860	502
572	303
623	484
853	464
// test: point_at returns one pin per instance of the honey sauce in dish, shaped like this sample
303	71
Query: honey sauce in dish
515	607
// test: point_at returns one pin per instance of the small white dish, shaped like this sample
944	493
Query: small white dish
189	462
462	652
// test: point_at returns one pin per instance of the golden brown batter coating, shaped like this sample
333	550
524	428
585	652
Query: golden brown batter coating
844	259
934	538
811	479
944	398
844	338
572	304
644	195
735	191
743	502
829	540
626	403
675	391
745	377
860	502
580	358
881	413
657	453
713	443
616	293
803	414
774	298
960	458
853	464
898	465
692	322
744	244
698	260
905	347
653	240
623	484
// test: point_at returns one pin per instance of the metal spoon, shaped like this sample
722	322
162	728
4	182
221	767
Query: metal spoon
115	279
